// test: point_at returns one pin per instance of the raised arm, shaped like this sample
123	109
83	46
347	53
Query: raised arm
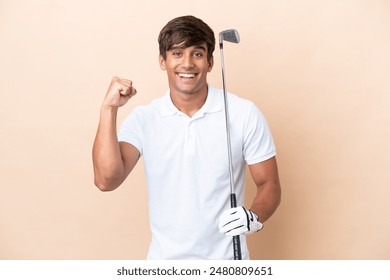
113	161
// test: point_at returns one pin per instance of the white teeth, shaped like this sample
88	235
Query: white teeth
187	75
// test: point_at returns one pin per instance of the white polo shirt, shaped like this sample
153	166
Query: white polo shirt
187	171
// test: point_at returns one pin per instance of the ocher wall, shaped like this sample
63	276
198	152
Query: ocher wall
318	70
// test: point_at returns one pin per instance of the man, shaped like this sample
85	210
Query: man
182	139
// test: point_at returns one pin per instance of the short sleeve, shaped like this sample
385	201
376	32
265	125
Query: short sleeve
258	142
131	130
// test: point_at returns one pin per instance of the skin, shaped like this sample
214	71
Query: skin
187	70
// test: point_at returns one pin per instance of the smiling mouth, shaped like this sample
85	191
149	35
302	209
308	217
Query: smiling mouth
187	75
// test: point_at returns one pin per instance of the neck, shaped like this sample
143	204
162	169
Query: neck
189	103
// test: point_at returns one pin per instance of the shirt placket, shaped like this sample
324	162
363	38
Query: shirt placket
189	136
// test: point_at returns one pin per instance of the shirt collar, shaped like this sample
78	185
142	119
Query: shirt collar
213	103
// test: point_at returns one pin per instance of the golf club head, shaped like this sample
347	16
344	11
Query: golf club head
230	35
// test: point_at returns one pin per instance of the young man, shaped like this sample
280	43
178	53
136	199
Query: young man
182	139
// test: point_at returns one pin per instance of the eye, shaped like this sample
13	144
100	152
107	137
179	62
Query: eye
198	54
176	53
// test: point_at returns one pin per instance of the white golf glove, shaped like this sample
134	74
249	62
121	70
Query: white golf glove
239	220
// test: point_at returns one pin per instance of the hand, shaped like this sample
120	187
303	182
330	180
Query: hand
119	92
239	220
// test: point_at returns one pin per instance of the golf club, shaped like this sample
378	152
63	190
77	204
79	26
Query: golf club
230	35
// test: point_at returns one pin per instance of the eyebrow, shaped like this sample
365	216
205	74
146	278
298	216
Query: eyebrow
180	47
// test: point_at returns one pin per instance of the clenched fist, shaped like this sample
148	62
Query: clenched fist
119	92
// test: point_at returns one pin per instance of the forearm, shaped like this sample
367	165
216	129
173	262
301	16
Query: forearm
267	200
107	159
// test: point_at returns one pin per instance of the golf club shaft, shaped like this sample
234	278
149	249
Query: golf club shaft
233	200
227	123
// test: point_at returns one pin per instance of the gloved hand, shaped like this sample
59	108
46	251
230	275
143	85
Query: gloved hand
239	220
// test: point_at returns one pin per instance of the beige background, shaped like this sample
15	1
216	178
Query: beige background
319	71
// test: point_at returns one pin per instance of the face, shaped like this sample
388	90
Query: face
187	68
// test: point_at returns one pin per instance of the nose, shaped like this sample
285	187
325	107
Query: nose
187	61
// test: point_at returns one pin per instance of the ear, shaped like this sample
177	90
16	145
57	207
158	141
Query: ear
162	62
211	63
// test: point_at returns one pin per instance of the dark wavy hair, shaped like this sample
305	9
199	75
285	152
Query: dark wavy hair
188	31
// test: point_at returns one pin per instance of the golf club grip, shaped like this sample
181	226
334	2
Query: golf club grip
237	247
236	238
